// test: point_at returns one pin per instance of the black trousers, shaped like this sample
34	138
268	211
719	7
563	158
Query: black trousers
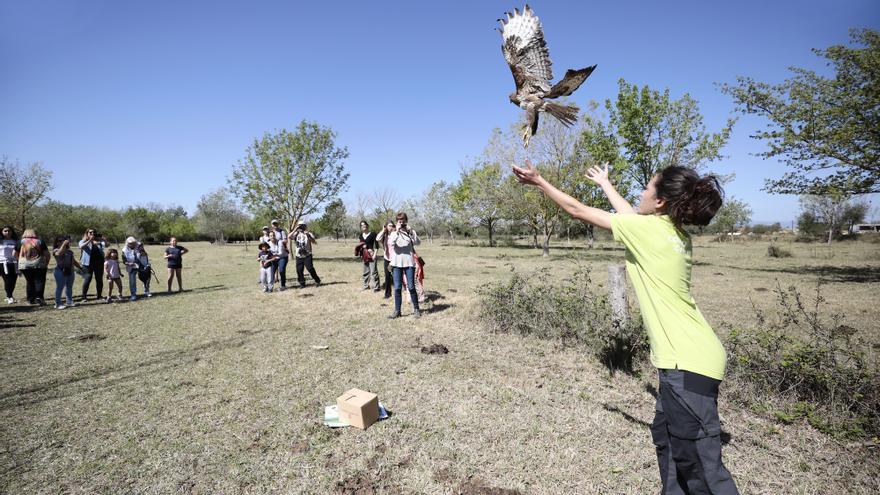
389	280
306	263
96	271
10	277
36	283
687	435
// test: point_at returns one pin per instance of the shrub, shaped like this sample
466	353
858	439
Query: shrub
775	251
805	365
569	310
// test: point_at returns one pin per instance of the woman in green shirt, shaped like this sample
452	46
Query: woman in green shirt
688	355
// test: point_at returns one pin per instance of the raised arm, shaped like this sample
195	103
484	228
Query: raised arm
600	177
529	175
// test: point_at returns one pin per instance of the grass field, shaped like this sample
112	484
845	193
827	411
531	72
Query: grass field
219	389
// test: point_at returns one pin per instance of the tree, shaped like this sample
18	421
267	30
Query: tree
478	197
656	132
436	205
854	212
826	209
334	217
217	214
597	145
733	215
827	130
140	222
21	188
292	172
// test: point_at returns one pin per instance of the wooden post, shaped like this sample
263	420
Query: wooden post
617	288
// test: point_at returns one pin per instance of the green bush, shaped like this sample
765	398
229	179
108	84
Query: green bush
805	365
775	251
570	310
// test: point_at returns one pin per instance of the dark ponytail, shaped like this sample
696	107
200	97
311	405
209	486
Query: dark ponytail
690	199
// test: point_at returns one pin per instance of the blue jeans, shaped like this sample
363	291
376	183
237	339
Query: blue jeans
282	269
398	273
63	281
132	281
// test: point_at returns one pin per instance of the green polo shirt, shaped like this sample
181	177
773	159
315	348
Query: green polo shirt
658	261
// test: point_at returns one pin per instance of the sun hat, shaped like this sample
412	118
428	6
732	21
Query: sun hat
130	240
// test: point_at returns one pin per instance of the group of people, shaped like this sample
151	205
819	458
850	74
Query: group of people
30	257
274	255
401	264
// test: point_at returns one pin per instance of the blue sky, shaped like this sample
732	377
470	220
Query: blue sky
137	102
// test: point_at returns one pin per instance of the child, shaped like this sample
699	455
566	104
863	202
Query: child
144	268
689	357
174	256
111	269
267	261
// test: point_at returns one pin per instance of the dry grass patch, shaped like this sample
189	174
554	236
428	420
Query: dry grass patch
220	389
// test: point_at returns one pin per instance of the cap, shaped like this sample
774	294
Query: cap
273	222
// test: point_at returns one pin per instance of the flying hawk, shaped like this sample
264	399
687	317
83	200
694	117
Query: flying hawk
526	53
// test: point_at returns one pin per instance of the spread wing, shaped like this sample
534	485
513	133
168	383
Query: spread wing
571	82
526	51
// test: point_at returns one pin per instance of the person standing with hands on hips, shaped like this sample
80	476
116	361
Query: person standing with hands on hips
403	241
303	240
174	257
689	357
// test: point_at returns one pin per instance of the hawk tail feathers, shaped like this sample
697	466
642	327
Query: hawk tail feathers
567	114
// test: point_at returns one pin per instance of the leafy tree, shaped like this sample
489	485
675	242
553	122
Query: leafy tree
597	145
655	131
733	215
334	218
825	129
437	213
827	210
854	212
21	188
294	173
479	195
217	215
141	222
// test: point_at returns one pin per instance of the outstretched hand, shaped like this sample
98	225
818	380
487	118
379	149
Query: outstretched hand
526	175
598	175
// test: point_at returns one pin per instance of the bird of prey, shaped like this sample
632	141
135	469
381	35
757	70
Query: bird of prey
526	53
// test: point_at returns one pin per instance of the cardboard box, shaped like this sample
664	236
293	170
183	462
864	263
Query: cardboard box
358	408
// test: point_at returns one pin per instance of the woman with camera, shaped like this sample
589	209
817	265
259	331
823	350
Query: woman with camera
92	260
64	274
403	242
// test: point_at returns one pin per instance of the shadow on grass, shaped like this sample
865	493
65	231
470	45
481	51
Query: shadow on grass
8	321
864	274
83	383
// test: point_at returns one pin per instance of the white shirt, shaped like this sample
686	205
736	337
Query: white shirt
402	243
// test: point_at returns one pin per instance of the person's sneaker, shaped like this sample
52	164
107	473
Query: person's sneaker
376	290
394	315
10	300
70	304
318	283
149	294
265	289
269	290
133	298
109	300
40	302
282	288
417	313
60	306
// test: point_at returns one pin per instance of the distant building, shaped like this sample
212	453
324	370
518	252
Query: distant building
861	228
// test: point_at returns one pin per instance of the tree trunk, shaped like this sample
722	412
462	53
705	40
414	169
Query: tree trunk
591	237
546	246
491	234
617	288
